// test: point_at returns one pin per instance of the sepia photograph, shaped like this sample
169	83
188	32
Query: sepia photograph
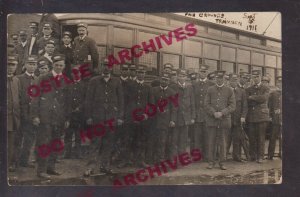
131	99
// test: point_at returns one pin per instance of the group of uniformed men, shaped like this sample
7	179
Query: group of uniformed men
213	111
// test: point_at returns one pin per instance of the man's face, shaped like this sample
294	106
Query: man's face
219	80
34	30
44	70
59	66
30	67
66	40
11	68
23	37
164	82
132	73
125	72
181	78
168	70
202	74
49	48
82	31
256	79
47	31
233	83
106	75
15	41
140	76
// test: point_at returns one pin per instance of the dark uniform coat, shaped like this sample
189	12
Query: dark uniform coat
35	49
13	103
241	106
201	88
41	43
258	110
25	100
104	100
186	108
75	96
170	112
22	53
219	99
276	104
139	97
83	48
68	51
50	106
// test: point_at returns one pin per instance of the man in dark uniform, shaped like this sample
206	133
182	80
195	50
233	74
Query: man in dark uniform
132	72
238	118
32	40
47	35
257	117
13	113
193	76
140	92
163	120
48	112
185	114
219	103
43	67
27	128
52	19
199	136
104	101
22	51
67	49
167	68
85	48
74	115
124	133
49	51
275	106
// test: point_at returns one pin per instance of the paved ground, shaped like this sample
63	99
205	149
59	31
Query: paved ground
195	173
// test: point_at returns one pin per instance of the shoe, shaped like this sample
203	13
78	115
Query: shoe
88	172
259	161
270	158
53	172
27	165
210	166
239	160
122	165
106	170
222	167
143	165
67	156
43	175
12	168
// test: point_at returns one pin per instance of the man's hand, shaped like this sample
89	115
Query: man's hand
243	120
250	97
172	124
192	121
67	124
36	121
218	115
146	117
119	122
277	111
89	121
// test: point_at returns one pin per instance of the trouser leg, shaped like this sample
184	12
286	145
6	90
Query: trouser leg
211	144
161	139
261	139
229	139
43	138
106	149
236	142
252	140
222	134
272	143
11	136
68	141
245	144
182	138
55	136
28	130
192	136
